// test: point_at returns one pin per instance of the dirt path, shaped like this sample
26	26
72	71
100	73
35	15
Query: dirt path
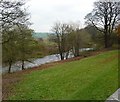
10	80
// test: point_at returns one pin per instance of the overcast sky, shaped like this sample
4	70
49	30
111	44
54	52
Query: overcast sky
44	13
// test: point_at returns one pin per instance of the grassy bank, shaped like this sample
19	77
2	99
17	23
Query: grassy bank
93	78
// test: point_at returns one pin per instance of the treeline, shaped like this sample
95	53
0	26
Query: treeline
102	23
105	17
16	35
17	41
69	39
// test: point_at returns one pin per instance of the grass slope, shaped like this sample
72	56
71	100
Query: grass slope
93	78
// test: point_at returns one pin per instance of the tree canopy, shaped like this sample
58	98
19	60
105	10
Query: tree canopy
105	17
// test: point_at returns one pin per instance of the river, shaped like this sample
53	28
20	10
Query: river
37	62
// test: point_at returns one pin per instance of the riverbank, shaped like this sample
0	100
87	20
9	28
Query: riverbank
9	80
17	66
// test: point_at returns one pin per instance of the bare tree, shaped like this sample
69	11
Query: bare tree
61	32
79	38
104	17
69	38
74	38
12	13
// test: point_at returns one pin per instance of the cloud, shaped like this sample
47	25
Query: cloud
44	13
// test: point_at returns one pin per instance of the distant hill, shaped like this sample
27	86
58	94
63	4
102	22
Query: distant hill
40	35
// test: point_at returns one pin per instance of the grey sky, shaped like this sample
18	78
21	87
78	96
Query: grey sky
44	13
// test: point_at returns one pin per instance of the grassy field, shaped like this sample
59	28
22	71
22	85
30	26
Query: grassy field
92	78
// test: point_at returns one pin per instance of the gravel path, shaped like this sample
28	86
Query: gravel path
115	97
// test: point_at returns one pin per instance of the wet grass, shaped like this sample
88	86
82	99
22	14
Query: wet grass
93	78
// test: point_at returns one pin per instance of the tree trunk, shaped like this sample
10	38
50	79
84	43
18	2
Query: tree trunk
77	51
23	65
61	56
106	40
67	54
10	64
60	50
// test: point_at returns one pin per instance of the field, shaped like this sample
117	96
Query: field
91	78
40	35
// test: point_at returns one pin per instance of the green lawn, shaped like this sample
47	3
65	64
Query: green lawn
93	78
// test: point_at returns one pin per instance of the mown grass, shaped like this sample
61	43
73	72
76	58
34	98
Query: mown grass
92	78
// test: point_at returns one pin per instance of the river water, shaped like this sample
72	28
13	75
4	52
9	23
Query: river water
37	62
34	62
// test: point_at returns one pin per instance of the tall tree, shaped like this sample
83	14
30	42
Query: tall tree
70	38
19	48
79	38
61	32
96	36
24	43
12	13
74	38
104	17
9	51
